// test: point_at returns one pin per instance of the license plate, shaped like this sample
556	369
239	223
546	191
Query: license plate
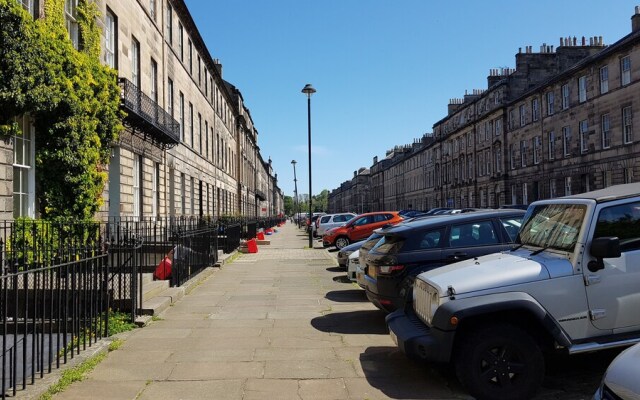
394	337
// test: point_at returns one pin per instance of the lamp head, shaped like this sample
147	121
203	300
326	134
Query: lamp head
308	90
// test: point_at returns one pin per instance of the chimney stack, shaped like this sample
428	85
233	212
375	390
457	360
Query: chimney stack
635	20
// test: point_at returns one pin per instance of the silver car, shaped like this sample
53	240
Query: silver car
621	379
329	221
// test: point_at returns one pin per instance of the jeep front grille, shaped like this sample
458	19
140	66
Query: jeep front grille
425	297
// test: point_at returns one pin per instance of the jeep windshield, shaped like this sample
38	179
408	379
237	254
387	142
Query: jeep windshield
553	226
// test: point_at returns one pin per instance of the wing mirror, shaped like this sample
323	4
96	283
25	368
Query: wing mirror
603	247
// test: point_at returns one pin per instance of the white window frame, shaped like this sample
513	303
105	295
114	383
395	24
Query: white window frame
627	125
169	24
23	169
523	114
181	41
71	21
110	39
552	145
154	80
625	70
566	96
152	9
535	109
136	187
135	62
552	188
523	153
605	128
584	135
550	103
181	95
582	88
155	190
566	141
192	200
170	97
567	186
604	79
537	147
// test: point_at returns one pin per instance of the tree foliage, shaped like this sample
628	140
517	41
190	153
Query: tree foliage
71	96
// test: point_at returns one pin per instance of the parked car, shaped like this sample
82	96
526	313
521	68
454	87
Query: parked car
572	284
359	228
515	206
621	382
408	249
436	210
352	265
310	223
329	221
345	252
410	213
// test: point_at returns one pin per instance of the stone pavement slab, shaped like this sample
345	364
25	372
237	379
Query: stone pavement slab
283	323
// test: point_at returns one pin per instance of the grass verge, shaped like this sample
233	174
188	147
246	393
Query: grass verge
79	372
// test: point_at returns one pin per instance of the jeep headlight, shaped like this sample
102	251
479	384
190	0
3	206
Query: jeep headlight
426	301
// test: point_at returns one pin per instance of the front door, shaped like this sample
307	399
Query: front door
613	293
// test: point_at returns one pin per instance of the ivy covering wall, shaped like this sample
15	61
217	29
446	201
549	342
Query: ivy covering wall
72	98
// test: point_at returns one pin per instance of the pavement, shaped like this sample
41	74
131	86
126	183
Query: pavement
283	323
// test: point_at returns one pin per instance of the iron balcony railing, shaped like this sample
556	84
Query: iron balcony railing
147	117
260	195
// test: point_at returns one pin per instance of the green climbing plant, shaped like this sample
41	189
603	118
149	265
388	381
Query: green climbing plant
72	98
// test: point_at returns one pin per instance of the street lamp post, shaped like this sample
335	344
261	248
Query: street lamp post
309	90
296	205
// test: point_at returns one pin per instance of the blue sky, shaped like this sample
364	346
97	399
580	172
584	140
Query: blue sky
384	70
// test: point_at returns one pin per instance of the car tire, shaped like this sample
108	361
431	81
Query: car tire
341	242
500	362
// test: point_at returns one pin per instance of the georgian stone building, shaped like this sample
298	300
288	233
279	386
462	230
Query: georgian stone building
353	195
189	146
561	122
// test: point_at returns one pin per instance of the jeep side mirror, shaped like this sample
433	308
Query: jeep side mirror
603	247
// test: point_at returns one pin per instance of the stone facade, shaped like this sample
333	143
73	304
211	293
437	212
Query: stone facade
561	122
213	166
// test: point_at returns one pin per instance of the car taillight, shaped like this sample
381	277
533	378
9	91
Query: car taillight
388	269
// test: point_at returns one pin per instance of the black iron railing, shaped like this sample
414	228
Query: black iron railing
58	280
53	296
150	120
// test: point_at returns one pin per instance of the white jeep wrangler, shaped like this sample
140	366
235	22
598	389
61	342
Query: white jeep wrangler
571	283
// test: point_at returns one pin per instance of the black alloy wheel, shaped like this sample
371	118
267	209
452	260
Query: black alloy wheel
500	362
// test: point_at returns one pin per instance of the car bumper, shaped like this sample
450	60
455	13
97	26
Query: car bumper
418	341
384	303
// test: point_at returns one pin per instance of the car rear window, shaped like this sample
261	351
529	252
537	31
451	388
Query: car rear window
389	244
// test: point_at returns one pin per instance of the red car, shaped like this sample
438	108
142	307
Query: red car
359	228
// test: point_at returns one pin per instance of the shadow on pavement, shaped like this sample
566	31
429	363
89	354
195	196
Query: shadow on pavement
347	296
336	269
342	279
576	376
369	322
332	250
390	371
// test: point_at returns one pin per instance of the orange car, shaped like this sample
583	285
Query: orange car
359	228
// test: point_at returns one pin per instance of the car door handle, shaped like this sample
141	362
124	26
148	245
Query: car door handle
457	256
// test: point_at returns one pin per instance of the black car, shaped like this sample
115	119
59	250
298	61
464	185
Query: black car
345	252
409	249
